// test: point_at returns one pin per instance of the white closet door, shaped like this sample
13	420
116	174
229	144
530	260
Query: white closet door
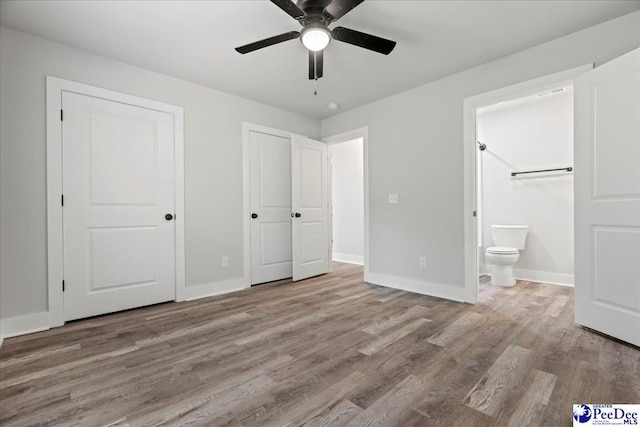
607	198
309	202
270	171
118	185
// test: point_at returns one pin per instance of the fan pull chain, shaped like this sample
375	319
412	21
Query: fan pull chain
315	86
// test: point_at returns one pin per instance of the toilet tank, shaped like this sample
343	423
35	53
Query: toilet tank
510	236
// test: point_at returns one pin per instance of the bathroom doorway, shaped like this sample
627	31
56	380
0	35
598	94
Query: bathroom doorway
476	239
606	237
524	188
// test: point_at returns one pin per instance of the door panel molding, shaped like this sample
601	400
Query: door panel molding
55	261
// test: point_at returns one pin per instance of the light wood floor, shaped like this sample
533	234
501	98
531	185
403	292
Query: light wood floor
327	351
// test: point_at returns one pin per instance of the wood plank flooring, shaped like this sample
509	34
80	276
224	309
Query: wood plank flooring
329	351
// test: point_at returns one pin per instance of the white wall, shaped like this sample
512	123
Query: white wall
416	150
347	196
213	161
529	134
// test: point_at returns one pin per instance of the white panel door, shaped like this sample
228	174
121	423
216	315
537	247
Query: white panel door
270	177
118	185
309	203
607	198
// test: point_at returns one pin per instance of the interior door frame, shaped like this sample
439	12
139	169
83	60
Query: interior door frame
363	133
470	151
55	250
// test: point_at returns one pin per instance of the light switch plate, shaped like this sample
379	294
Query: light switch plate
393	199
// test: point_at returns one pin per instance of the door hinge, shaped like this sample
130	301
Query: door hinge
474	213
61	115
62	200
63	286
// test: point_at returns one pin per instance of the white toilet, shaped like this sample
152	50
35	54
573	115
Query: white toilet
509	241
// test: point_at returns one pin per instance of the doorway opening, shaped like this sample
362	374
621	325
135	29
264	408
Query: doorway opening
475	159
349	156
524	189
347	201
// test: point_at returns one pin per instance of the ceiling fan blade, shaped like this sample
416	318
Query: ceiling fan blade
338	8
316	60
290	7
268	42
364	40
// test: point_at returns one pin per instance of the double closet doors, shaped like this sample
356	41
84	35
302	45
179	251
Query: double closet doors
289	207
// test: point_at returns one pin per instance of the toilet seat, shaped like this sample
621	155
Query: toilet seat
501	250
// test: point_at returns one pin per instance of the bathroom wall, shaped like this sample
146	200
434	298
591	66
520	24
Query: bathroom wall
527	134
347	195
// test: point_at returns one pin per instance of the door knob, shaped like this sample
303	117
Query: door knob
168	217
254	215
298	215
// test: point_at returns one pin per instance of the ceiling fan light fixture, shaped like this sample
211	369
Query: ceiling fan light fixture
315	37
315	16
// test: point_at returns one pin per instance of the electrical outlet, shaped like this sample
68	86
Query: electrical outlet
423	261
393	199
225	261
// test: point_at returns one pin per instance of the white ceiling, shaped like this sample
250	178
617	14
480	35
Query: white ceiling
195	40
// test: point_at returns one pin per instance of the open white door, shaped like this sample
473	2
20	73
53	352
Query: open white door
309	206
607	198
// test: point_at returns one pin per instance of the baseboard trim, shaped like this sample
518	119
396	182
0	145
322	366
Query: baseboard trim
22	325
417	286
216	288
544	277
538	276
36	322
349	259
